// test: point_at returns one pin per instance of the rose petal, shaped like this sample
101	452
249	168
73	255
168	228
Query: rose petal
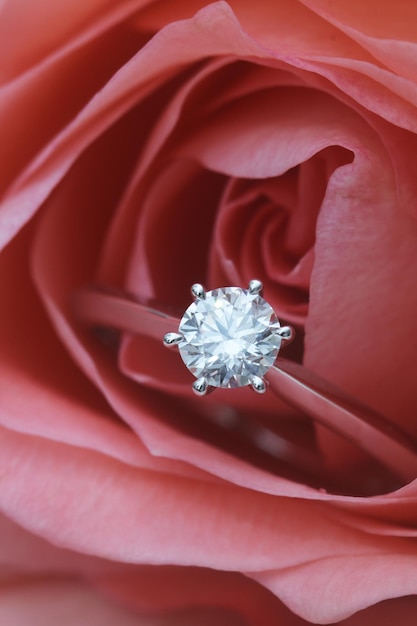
356	277
168	222
189	522
281	26
388	35
244	139
352	584
23	554
55	86
107	494
46	28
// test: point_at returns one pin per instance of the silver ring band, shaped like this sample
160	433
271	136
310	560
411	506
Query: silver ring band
292	382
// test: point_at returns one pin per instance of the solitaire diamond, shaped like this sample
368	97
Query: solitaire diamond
229	337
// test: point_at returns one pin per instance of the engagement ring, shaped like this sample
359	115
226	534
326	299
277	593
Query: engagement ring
231	337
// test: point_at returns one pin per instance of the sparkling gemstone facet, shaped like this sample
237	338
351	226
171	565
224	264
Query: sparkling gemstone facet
229	336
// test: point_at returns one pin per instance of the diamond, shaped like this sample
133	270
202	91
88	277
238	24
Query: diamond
229	336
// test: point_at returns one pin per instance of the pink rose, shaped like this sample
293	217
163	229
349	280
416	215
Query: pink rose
148	146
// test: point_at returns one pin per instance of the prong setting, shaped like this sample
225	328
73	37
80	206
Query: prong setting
255	287
172	339
229	337
258	384
286	332
198	291
200	386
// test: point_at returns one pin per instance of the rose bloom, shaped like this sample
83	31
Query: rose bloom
149	145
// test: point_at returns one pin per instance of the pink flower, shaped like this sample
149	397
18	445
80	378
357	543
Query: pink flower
148	146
